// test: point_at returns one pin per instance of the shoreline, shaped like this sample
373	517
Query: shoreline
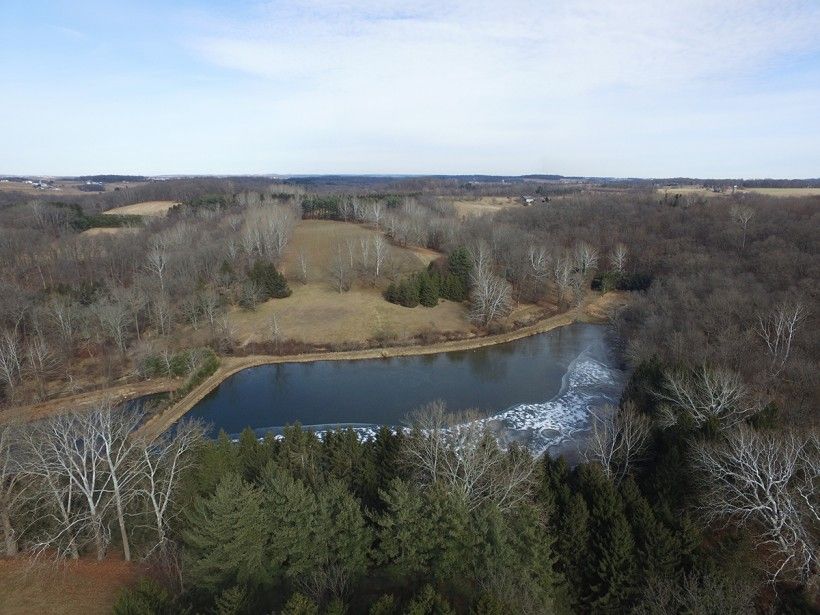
594	310
591	312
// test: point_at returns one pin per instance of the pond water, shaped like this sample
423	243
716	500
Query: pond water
538	390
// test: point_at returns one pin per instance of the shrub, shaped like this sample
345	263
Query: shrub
146	598
607	281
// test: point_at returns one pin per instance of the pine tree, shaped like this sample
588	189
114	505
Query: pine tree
405	534
611	569
346	537
252	455
658	549
573	546
231	601
296	540
300	452
459	266
225	537
428	290
429	602
298	604
271	283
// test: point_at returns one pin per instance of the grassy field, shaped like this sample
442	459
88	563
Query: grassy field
482	205
706	192
114	230
85	587
146	208
317	313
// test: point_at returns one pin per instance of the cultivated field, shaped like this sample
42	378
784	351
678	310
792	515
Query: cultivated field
707	192
146	208
482	205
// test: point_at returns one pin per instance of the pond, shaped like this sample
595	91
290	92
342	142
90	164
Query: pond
538	390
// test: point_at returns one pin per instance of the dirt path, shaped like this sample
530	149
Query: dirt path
594	311
117	394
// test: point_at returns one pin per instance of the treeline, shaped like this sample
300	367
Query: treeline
439	520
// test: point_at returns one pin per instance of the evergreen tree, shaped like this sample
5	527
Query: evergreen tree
300	452
271	283
385	605
429	602
231	601
345	536
298	604
405	533
296	541
658	549
252	455
225	537
573	546
428	290
611	567
459	266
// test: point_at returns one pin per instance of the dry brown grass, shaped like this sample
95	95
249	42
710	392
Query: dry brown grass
146	208
317	313
482	205
85	587
708	193
119	230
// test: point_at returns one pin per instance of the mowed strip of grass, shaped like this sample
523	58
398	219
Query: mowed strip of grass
84	587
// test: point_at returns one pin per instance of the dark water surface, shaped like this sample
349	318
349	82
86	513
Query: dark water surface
540	388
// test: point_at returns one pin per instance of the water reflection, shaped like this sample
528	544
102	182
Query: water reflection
537	390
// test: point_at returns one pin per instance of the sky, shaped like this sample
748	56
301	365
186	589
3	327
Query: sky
634	88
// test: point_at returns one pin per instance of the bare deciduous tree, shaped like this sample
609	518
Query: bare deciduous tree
303	267
562	276
742	215
161	463
770	482
11	359
461	454
490	294
339	271
617	258
111	429
380	254
11	490
706	394
157	261
539	260
586	257
777	330
113	318
618	437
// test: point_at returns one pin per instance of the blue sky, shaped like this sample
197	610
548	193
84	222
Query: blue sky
632	88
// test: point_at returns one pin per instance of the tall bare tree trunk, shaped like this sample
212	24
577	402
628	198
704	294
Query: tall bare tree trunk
9	534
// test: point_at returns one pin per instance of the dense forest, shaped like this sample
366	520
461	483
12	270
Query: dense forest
698	495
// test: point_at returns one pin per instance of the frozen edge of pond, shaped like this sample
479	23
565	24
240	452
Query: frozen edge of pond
553	425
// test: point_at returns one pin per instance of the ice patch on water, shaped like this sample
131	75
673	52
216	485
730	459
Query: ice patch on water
587	385
551	426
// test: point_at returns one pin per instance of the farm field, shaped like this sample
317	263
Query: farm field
707	192
146	208
482	205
